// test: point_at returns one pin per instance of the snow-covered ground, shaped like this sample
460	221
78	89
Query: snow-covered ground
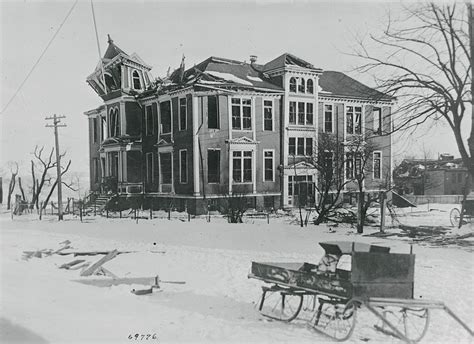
41	303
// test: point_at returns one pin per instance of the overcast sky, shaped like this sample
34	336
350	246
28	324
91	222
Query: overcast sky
319	32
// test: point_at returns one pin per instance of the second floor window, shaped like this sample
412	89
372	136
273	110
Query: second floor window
242	166
353	120
353	165
268	115
182	114
301	85
293	85
149	120
165	117
377	165
300	146
328	123
377	121
114	123
212	113
241	114
136	80
309	86
305	115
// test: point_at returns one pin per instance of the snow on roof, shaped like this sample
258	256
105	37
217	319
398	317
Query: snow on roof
229	77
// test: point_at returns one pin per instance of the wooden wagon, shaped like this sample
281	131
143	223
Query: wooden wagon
350	275
464	213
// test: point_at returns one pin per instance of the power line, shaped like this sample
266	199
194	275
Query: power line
40	57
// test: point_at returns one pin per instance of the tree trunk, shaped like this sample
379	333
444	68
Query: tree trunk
21	189
470	141
360	210
11	188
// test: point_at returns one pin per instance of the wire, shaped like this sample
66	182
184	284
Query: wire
40	57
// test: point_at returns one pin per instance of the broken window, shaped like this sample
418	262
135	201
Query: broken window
241	114
114	123
165	116
301	85
293	85
213	165
165	168
358	119
268	115
136	80
212	114
182	114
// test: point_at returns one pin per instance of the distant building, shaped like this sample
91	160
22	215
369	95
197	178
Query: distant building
443	176
225	127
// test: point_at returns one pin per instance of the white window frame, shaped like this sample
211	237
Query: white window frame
114	110
139	79
242	159
171	168
305	145
377	114
312	81
332	117
161	117
273	164
150	179
241	107
373	165
185	113
273	114
181	181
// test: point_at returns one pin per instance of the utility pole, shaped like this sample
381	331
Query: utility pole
55	125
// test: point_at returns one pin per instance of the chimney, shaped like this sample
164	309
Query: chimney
253	59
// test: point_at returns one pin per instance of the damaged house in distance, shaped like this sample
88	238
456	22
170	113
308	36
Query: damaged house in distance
224	127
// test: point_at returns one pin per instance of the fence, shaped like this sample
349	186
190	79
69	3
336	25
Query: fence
424	199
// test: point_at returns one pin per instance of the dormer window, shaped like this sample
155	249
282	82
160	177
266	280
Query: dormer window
309	86
136	80
301	86
293	85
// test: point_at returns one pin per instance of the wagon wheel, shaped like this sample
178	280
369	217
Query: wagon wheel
410	322
336	320
455	217
280	304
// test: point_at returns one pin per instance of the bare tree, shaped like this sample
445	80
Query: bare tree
424	59
55	184
11	186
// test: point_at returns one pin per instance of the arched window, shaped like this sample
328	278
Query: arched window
136	80
301	87
309	86
293	85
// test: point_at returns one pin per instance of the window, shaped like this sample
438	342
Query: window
309	86
294	183
377	165
242	166
301	113
96	170
328	162
358	165
268	115
182	113
183	166
114	123
165	116
292	113
213	165
353	119
328	121
241	114
95	130
377	121
212	113
300	146
149	121
149	168
165	168
136	80
268	174
349	166
309	113
301	85
293	85
292	146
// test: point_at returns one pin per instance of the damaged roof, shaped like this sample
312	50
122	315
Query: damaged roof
339	84
284	60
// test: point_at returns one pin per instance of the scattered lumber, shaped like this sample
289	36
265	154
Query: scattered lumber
71	264
92	253
414	231
93	268
80	266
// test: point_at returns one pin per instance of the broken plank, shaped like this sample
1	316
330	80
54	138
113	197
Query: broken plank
90	270
80	266
92	253
71	264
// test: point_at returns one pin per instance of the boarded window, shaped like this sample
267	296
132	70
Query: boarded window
212	113
213	166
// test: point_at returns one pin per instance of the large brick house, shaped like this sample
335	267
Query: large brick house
223	127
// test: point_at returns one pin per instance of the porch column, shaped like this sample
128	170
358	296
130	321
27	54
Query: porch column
254	171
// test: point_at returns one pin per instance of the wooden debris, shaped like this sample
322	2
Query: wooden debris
92	253
80	266
93	268
71	264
